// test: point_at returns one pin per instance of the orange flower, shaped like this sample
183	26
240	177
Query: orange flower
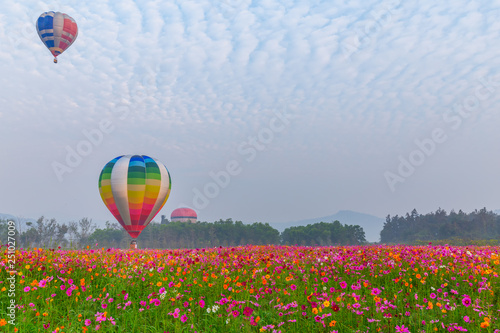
485	324
332	323
3	322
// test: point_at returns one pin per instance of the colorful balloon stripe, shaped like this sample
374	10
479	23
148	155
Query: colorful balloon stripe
57	31
134	188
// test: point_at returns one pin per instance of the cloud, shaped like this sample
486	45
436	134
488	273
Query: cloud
190	81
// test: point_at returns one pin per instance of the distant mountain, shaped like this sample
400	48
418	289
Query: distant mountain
7	217
15	218
372	225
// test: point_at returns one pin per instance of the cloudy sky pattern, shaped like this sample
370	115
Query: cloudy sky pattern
265	110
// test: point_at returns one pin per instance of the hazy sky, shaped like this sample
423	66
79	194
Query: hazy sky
315	106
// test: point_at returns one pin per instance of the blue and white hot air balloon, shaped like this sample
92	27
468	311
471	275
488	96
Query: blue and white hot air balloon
57	31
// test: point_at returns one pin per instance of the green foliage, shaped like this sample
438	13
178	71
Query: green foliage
414	227
324	234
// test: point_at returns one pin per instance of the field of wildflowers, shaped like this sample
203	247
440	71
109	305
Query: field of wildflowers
256	289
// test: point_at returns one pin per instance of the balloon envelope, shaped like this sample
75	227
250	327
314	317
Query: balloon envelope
134	188
57	31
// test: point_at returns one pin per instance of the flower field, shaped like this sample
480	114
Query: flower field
256	289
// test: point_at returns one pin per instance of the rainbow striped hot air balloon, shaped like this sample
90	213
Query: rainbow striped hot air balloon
57	31
134	188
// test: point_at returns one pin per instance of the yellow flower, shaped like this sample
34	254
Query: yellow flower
326	304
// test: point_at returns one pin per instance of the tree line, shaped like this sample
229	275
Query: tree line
50	234
414	228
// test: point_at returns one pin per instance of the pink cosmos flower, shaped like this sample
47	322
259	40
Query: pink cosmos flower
402	329
27	289
247	311
466	301
343	284
87	322
184	318
202	303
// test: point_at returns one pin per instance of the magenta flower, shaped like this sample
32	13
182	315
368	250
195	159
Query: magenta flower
293	287
402	329
27	289
184	318
466	301
87	322
466	319
376	291
343	284
247	311
432	295
236	313
202	303
104	306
